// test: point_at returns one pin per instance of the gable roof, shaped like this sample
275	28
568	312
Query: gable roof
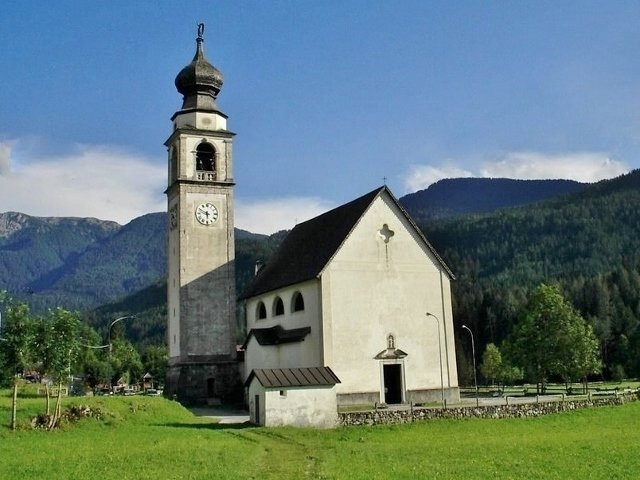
308	248
277	335
293	377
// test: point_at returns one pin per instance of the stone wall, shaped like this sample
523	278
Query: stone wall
519	410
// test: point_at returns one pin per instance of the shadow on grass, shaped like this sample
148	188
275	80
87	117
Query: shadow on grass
207	426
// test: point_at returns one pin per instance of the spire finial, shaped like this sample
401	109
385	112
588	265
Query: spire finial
200	39
199	82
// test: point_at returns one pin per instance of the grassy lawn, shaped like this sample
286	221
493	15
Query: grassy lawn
140	437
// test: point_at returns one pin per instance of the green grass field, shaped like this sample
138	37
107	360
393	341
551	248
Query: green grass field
141	437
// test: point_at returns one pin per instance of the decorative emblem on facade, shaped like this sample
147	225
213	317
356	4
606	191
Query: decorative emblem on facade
386	233
391	352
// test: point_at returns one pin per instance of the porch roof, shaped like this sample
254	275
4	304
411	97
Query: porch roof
293	377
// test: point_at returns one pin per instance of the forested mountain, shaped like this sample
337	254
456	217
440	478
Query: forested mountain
458	196
150	303
81	263
36	252
587	241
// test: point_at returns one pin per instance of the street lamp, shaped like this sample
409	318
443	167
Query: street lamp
108	345
473	352
111	326
439	357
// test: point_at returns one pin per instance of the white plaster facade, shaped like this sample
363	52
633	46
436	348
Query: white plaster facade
307	353
380	282
295	406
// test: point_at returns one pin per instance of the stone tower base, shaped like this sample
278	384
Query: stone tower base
204	383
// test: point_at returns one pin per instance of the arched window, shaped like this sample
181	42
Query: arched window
391	342
173	161
278	307
297	302
205	157
261	311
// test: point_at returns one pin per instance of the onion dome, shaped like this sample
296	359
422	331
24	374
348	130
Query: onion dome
199	82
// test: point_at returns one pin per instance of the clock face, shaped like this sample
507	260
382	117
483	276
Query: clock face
206	213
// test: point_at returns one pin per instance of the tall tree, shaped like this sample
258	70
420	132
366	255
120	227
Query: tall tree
154	359
125	361
551	338
43	341
64	350
15	345
491	366
581	355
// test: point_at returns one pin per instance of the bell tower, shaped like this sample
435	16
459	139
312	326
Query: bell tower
201	300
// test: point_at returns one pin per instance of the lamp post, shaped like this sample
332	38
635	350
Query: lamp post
111	326
439	357
473	352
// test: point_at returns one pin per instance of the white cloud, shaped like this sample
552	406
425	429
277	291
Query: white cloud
421	176
110	183
580	166
91	181
271	215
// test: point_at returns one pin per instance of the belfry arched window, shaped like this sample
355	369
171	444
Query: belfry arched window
205	157
278	307
297	302
261	311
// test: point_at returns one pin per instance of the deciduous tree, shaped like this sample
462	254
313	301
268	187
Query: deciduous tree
15	345
551	338
64	350
491	366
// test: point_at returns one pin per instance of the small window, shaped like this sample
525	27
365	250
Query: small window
173	160
297	304
205	157
391	342
261	311
283	393
278	307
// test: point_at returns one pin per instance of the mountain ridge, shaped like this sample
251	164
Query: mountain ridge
460	196
84	263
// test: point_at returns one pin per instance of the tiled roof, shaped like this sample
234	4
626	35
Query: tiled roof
293	377
308	247
311	244
276	335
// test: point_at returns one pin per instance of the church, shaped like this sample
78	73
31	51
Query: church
353	308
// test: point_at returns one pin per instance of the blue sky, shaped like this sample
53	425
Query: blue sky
327	98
